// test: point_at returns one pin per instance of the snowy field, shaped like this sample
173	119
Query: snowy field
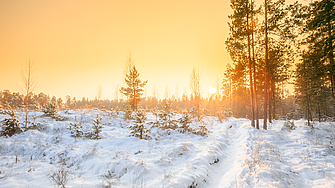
234	154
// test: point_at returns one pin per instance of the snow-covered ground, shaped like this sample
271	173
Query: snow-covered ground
233	155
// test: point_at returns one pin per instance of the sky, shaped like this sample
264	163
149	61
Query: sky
78	45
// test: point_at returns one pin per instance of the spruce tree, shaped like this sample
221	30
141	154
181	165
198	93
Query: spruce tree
76	128
134	88
10	126
97	126
166	117
185	122
139	129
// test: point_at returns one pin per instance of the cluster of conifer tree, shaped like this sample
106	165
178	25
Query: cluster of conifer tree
264	43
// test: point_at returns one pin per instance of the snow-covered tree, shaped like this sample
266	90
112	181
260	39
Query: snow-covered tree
50	111
10	126
166	117
185	122
139	129
97	126
202	130
76	128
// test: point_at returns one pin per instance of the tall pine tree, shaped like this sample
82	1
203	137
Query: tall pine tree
134	89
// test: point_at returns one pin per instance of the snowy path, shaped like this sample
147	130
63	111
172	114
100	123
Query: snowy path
227	171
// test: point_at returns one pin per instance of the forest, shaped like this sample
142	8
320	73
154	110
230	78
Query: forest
268	123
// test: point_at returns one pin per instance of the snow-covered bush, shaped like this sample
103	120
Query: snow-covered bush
139	129
59	177
202	130
50	111
10	126
220	115
35	125
226	111
166	120
97	128
75	128
127	112
289	125
196	112
185	122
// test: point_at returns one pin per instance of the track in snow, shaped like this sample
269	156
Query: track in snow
226	172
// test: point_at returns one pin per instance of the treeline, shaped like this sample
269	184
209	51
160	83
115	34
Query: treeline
264	43
39	101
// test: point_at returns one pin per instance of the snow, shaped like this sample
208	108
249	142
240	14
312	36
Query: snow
234	154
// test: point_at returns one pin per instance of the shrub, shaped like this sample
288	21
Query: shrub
226	111
185	122
289	125
196	113
10	126
202	131
166	120
97	128
75	128
50	111
35	125
139	129
59	177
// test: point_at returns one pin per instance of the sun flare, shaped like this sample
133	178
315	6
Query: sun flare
212	90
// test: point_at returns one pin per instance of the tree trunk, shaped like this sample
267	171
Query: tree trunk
266	68
254	67
27	111
270	103
274	100
250	75
330	55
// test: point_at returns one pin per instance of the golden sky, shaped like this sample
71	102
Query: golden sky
78	45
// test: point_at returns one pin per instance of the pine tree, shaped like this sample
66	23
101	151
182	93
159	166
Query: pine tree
321	28
134	88
315	74
185	122
239	45
139	129
75	128
10	126
97	127
50	110
166	117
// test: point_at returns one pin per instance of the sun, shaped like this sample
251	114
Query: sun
212	90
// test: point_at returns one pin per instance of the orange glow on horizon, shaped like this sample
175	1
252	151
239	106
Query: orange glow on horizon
78	45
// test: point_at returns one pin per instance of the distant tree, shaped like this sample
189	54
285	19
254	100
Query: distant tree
59	102
134	87
99	94
29	81
195	89
54	100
